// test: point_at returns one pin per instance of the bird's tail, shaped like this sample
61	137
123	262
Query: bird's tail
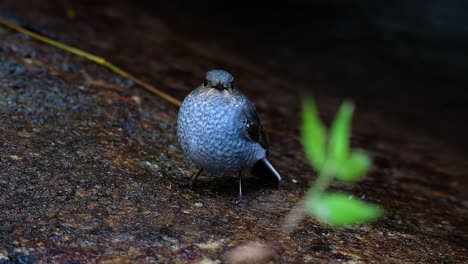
272	169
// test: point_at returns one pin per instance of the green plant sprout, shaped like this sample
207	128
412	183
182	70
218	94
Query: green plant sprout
332	157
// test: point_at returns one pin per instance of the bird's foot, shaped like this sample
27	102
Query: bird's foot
193	178
191	186
239	200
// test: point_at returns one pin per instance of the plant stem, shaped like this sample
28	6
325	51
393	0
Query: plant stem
323	181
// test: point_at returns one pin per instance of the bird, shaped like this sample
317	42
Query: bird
219	130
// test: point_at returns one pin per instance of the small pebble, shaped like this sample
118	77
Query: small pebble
14	157
206	260
4	257
137	99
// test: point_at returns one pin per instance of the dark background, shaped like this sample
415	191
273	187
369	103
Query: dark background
425	37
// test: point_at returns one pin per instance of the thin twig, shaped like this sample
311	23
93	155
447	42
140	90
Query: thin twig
94	58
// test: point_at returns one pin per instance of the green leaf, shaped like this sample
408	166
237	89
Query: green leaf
340	133
313	135
354	168
337	210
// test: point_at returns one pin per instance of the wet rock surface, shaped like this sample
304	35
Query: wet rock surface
90	169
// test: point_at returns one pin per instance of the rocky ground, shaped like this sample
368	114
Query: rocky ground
90	168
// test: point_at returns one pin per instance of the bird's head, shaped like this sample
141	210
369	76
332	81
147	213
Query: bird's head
219	79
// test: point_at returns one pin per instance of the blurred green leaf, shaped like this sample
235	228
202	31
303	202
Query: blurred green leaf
354	168
340	133
313	135
338	210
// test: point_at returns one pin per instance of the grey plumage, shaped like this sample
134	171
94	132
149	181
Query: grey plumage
218	127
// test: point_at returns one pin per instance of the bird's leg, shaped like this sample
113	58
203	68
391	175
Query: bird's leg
194	177
240	186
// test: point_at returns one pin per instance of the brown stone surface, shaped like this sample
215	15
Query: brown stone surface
90	169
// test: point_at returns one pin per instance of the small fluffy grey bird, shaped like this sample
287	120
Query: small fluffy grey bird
219	129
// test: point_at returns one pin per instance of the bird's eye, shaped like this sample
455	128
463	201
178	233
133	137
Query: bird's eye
231	85
205	83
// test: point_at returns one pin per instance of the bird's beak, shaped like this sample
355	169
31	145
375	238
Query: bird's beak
219	86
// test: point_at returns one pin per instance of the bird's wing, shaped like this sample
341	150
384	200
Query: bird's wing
252	124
